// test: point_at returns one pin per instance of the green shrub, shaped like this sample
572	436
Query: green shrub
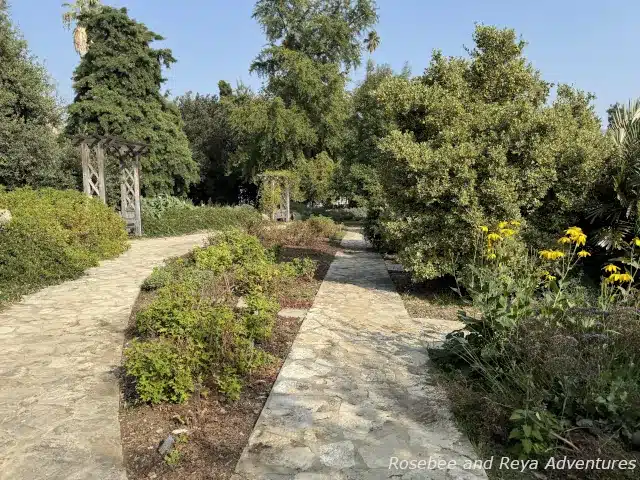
323	226
164	371
259	316
229	384
54	236
164	275
165	217
299	268
475	140
219	343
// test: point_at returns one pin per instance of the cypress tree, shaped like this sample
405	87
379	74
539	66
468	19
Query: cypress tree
117	86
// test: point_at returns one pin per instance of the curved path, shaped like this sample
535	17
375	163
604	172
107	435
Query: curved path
354	397
59	351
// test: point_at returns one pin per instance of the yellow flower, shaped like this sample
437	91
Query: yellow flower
583	254
635	241
551	254
507	232
493	237
619	277
502	225
515	223
550	277
484	228
491	256
625	277
564	240
611	268
573	232
576	235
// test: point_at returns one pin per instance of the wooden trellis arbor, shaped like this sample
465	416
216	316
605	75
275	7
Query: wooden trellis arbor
93	149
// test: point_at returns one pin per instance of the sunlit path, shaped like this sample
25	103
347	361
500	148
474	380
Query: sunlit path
61	347
354	391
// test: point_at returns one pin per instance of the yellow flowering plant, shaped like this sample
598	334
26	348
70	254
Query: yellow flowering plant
618	282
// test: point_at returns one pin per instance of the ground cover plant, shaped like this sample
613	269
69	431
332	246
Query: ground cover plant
545	367
196	359
165	216
53	236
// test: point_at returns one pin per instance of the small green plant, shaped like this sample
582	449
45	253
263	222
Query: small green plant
323	226
164	275
259	316
229	384
164	371
535	432
172	459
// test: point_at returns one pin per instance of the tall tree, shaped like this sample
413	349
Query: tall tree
117	86
207	123
30	151
312	46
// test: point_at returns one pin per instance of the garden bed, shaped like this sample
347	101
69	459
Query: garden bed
216	430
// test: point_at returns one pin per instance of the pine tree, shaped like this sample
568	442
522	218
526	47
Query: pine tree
117	86
30	152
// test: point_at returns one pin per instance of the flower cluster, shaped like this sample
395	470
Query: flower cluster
551	254
504	230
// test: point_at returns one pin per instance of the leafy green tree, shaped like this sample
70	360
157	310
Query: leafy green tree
31	152
367	124
474	143
131	105
303	109
207	124
316	178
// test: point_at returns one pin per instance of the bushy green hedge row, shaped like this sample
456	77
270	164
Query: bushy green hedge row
191	334
166	216
53	236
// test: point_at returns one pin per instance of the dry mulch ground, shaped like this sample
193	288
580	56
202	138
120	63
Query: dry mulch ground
429	299
217	430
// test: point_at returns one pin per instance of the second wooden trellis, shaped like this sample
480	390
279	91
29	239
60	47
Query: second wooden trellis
93	149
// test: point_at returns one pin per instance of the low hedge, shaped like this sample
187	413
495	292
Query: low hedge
54	235
163	217
190	335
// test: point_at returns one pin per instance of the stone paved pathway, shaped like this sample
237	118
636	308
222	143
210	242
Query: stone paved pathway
355	389
59	396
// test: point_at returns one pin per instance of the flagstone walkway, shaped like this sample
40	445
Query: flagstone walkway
59	351
355	392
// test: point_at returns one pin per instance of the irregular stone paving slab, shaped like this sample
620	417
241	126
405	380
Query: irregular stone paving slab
59	394
355	389
292	312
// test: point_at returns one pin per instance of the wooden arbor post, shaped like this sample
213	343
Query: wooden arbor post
93	149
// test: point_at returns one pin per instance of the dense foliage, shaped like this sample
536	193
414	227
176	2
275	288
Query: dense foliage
207	123
542	365
300	117
53	236
475	141
131	106
165	216
30	151
192	332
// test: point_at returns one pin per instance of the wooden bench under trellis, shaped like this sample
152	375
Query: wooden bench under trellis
93	149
